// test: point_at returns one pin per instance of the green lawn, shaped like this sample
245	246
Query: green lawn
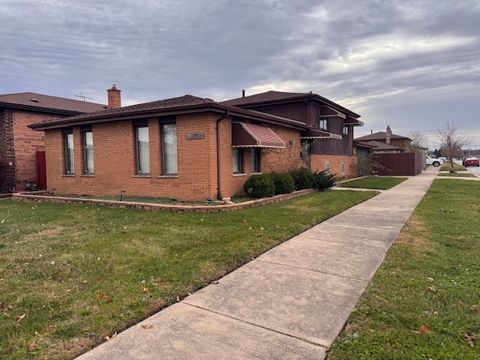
70	275
374	182
424	302
457	174
456	167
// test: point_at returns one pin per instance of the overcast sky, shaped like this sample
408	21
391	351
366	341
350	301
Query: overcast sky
411	64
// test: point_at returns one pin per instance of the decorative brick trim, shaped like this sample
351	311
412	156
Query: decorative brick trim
165	207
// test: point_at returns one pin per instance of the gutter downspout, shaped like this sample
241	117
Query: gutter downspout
225	116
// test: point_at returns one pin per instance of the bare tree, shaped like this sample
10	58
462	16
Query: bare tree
418	140
451	141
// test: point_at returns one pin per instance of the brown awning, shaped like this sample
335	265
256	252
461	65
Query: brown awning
312	134
249	135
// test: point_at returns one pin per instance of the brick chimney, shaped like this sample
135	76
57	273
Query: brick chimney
114	97
388	136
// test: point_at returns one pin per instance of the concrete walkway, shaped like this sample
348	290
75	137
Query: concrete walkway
290	303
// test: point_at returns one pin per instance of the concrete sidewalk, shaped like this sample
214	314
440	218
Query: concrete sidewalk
289	303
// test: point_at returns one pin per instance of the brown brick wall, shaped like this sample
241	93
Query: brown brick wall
114	157
7	153
350	170
27	143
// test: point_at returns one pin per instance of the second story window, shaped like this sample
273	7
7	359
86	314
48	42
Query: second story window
346	130
68	153
87	143
142	148
323	124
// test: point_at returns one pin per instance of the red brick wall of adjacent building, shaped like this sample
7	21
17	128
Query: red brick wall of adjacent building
26	144
318	163
114	161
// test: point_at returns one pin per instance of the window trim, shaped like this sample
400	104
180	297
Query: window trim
240	152
348	130
85	171
136	126
66	158
162	146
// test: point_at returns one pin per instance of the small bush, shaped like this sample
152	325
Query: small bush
283	183
324	180
303	178
258	186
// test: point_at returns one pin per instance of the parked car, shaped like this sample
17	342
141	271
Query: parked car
471	161
433	161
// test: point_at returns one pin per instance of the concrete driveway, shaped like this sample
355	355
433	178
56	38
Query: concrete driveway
289	303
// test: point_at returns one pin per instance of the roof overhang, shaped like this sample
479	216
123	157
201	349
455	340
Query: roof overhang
313	134
251	136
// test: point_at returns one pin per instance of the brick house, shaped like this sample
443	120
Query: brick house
335	154
186	148
19	145
385	142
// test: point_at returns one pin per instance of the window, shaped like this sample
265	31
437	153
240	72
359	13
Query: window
255	160
169	147
68	153
342	167
142	144
323	124
345	130
237	160
326	165
87	143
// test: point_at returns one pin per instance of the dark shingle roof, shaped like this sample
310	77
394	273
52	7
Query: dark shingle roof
378	145
381	135
172	106
34	101
276	96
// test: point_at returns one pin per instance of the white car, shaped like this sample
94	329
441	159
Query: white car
433	161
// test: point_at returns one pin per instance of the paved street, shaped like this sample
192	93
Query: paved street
289	303
474	170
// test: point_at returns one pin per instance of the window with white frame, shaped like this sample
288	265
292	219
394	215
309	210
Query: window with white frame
342	167
169	147
326	165
346	130
87	143
142	147
68	153
237	160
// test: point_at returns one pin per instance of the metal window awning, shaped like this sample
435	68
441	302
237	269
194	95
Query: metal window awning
249	135
313	134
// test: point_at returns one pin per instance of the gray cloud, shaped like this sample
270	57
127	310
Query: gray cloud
406	63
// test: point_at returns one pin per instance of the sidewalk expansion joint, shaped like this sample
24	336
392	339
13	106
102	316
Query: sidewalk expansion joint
324	345
312	270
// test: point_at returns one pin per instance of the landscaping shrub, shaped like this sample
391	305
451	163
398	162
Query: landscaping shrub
303	178
283	183
258	186
324	180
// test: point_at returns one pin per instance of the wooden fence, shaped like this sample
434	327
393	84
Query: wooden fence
400	164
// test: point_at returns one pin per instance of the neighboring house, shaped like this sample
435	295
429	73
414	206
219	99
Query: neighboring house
385	153
20	147
335	154
188	148
385	142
